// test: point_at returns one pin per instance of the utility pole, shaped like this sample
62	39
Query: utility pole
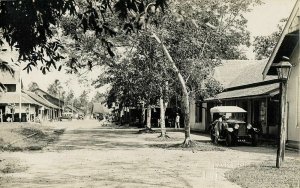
20	93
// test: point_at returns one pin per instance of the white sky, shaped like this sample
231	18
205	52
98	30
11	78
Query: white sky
262	20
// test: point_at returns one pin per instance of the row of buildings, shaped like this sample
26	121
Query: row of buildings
36	106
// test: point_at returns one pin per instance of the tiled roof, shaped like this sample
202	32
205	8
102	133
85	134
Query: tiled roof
232	73
263	90
252	74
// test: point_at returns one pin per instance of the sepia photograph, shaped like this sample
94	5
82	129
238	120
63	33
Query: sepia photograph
149	93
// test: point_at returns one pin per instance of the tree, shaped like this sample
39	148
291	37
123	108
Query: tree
83	100
193	43
98	97
32	86
56	89
31	26
70	97
264	45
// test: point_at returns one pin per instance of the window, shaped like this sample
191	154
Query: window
11	87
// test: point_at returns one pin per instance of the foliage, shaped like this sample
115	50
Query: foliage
30	26
32	86
83	99
70	97
264	45
56	89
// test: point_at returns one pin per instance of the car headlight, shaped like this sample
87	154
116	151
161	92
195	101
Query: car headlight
236	126
249	126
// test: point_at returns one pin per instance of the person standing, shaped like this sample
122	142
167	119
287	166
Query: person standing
177	121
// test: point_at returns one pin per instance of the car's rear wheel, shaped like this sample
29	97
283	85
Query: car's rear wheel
254	139
228	140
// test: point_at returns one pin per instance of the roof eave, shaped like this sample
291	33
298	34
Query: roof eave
284	32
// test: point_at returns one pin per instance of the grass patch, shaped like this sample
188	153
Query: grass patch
196	146
11	166
267	175
25	136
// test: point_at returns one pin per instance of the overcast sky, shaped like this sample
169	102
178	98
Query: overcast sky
262	20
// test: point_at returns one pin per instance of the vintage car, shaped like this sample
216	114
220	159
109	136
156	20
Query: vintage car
230	127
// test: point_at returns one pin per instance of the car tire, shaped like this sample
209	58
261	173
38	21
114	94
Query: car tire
254	139
228	140
212	136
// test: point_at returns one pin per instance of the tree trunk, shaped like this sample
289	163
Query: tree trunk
143	115
148	125
163	107
185	99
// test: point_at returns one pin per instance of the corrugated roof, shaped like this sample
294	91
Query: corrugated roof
41	100
247	92
78	110
14	97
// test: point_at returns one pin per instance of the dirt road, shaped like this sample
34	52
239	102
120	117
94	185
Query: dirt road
89	155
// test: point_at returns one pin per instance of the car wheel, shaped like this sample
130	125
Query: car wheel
212	136
254	139
228	140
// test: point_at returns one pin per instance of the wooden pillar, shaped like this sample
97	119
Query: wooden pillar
266	117
281	144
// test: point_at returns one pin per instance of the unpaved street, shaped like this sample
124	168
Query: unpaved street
89	155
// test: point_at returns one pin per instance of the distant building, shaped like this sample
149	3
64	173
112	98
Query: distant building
74	110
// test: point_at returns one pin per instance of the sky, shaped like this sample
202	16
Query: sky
262	20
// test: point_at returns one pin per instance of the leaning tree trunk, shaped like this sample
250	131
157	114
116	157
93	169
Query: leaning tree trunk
148	125
186	108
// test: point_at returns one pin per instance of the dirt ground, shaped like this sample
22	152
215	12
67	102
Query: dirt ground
89	155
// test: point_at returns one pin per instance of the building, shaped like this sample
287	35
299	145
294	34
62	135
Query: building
33	106
46	111
245	87
288	45
10	98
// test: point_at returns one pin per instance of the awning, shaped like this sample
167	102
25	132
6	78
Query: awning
227	109
258	91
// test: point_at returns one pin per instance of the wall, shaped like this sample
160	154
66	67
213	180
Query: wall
293	99
197	126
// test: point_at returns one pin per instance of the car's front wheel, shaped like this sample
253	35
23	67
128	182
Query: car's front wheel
228	140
